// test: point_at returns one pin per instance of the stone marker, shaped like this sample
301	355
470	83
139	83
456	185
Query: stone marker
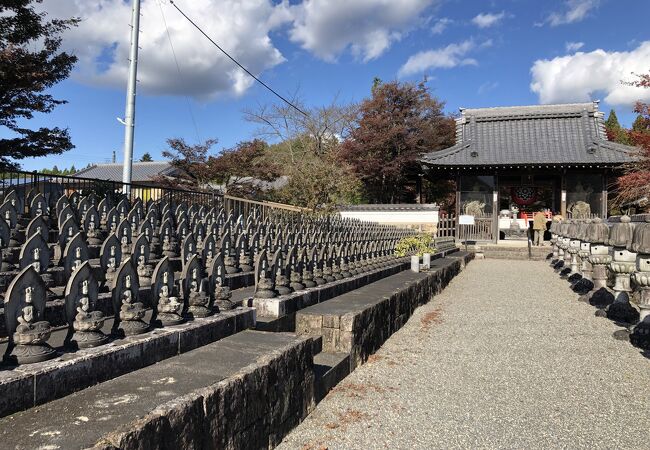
217	280
110	257
128	309
264	272
195	289
24	306
85	323
140	254
75	254
167	306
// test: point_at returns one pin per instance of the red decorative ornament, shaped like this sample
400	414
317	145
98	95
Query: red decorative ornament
524	195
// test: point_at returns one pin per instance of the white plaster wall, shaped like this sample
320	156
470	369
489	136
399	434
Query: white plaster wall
395	217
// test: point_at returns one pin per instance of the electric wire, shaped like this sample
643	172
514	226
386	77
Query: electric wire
237	62
180	74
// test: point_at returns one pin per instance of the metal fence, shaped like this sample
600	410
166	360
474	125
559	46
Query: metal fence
53	186
446	225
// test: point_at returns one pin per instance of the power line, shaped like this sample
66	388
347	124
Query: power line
237	62
180	74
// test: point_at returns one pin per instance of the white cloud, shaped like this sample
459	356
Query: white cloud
487	87
101	41
367	28
573	46
441	25
442	58
576	11
583	76
486	20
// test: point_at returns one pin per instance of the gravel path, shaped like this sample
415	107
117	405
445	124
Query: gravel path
505	357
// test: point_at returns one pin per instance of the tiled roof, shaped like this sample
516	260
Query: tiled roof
391	207
140	171
531	135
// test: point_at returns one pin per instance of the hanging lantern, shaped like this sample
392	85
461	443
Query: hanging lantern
524	195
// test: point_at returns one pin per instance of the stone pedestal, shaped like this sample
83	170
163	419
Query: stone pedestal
573	274
600	296
640	336
623	265
585	283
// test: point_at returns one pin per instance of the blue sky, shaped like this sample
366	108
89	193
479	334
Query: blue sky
474	53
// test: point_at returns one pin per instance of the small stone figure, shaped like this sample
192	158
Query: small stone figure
281	280
125	300
264	285
169	308
92	233
217	279
81	296
169	247
194	289
144	270
24	307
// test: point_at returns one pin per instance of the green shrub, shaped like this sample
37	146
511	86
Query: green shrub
415	245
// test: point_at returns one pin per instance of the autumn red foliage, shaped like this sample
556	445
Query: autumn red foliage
634	185
398	123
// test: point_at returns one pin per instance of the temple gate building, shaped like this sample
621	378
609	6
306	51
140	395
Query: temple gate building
509	162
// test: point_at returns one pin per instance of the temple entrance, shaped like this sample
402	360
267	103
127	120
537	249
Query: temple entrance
520	199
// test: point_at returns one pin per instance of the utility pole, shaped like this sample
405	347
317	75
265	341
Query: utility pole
129	117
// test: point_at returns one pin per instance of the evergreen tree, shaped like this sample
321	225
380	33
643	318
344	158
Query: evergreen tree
146	157
640	125
612	121
30	64
615	132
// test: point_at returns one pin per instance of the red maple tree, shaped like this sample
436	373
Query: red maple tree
634	185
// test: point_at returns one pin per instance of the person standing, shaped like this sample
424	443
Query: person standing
539	226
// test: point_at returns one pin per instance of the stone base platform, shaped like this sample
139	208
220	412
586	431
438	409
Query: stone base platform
360	321
285	305
463	256
29	385
245	391
55	308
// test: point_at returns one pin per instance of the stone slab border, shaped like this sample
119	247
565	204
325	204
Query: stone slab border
359	326
287	304
34	384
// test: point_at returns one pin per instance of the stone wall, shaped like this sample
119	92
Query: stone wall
254	408
359	325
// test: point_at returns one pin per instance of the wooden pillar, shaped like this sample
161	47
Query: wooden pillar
563	194
495	209
457	206
604	199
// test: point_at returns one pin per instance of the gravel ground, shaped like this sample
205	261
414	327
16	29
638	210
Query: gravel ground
504	357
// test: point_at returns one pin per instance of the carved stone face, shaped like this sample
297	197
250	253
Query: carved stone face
28	313
164	291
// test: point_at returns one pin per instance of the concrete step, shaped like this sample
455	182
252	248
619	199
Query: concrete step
245	391
329	369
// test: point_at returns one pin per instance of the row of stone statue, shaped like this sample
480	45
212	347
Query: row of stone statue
608	263
289	253
183	232
197	295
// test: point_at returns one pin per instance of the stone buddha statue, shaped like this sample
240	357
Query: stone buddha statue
197	298
31	337
36	258
77	259
131	312
88	324
112	264
144	270
169	308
